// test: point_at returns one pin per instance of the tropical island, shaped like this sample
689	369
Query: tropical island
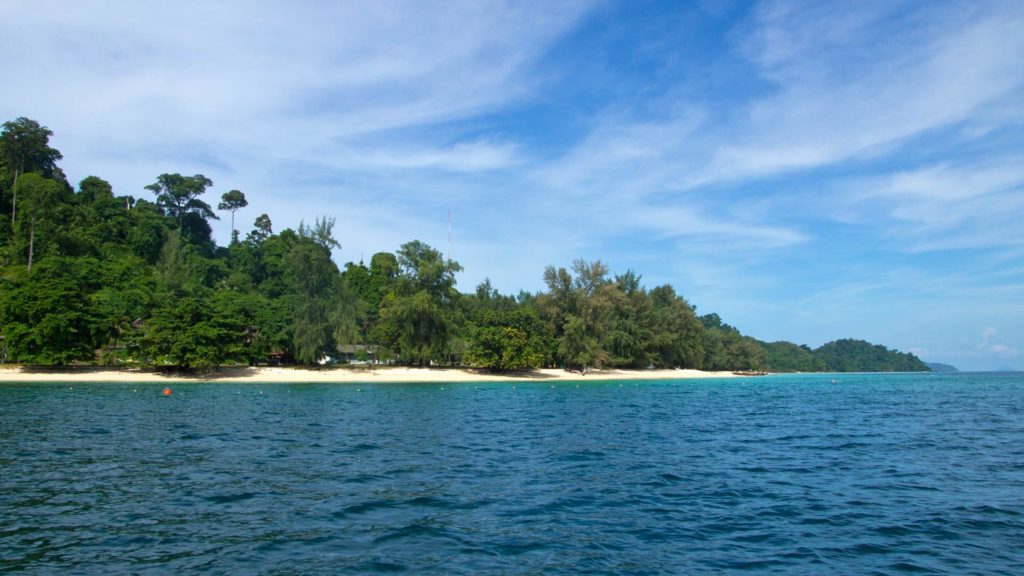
92	278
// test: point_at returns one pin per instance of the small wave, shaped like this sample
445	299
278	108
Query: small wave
416	530
362	479
501	485
365	508
583	456
230	498
908	567
361	447
377	566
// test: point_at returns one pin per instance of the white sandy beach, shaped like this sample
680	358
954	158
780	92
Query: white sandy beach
339	375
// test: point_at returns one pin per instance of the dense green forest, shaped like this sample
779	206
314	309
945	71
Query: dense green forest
89	276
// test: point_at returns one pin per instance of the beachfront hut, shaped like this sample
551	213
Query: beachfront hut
359	353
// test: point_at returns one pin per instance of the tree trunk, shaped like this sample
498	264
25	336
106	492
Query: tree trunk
31	242
14	200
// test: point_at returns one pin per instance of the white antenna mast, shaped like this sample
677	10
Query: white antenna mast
449	235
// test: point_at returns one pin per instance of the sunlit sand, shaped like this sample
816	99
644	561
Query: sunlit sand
381	374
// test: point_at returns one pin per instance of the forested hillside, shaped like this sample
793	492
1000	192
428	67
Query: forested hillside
88	275
841	356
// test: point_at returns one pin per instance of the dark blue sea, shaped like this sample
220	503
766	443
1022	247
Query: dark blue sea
809	474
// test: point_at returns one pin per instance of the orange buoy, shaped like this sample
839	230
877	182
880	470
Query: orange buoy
167	391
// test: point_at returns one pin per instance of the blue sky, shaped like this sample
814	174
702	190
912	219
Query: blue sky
808	170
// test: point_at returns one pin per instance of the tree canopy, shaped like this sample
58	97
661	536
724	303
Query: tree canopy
179	196
232	201
90	276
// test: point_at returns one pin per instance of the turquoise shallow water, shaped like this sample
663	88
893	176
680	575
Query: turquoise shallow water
872	474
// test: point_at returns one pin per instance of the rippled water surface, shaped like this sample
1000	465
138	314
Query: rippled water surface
883	474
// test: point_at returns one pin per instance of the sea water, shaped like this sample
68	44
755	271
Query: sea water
809	474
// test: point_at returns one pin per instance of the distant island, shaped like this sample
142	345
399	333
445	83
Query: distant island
939	367
88	277
841	356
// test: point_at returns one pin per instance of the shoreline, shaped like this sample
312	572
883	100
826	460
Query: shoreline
369	375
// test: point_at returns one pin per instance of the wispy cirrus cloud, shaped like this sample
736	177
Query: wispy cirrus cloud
963	203
774	160
841	83
302	81
854	80
307	107
473	156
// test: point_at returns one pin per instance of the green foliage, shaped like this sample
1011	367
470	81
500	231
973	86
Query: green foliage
415	327
115	280
198	330
179	196
788	357
838	356
578	345
267	264
94	189
860	356
362	301
677	338
41	212
262	229
122	301
94	222
25	147
313	278
577	311
597	321
233	201
147	229
321	232
727	349
418	317
372	284
383	277
191	324
511	340
422	268
46	316
120	281
356	278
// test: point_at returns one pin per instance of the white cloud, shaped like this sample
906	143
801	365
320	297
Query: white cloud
269	97
623	155
462	157
987	335
843	83
850	82
990	344
952	205
1004	351
947	183
818	168
674	222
